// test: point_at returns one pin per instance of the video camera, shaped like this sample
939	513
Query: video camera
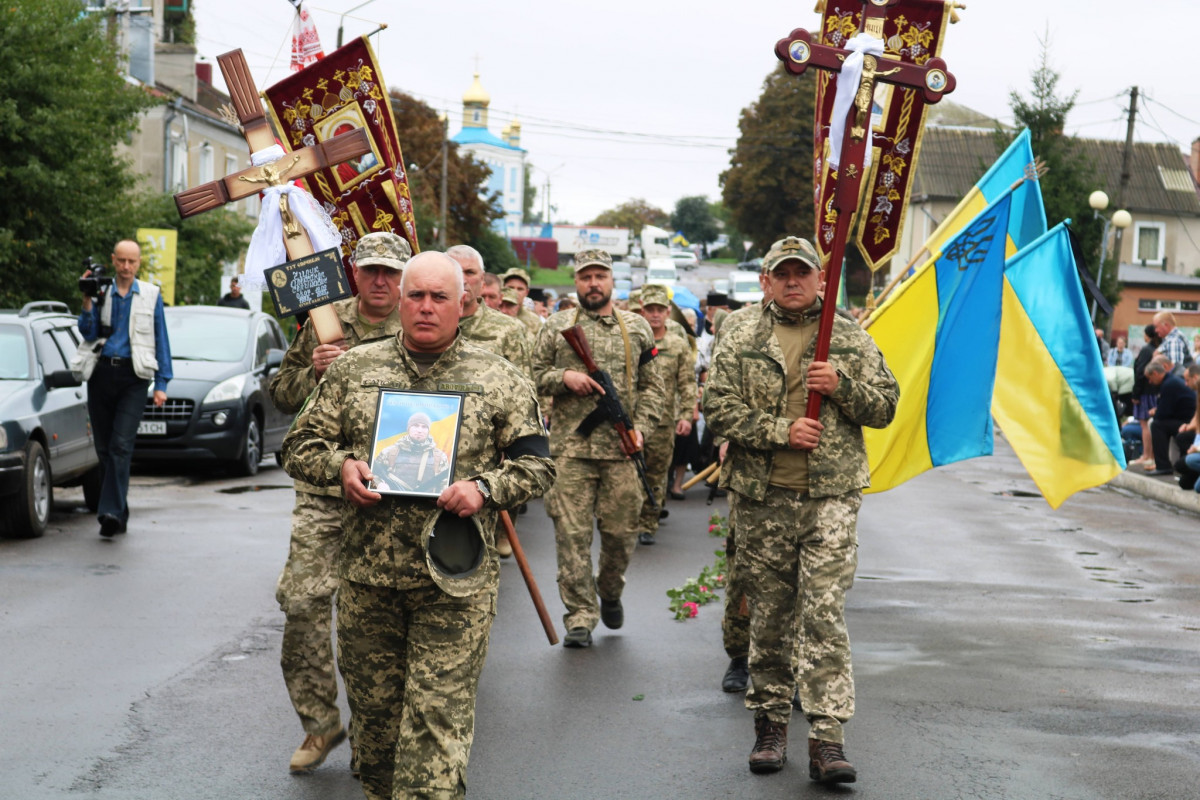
96	283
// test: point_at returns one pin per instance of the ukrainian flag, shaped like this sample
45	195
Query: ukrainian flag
1027	220
940	334
1051	399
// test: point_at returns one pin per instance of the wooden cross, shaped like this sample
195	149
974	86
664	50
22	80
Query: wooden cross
798	53
298	164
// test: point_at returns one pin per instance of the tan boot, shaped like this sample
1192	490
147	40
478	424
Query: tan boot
503	546
770	746
313	750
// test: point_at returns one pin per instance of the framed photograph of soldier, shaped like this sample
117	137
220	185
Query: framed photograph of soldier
416	442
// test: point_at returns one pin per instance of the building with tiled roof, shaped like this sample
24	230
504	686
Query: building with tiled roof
503	154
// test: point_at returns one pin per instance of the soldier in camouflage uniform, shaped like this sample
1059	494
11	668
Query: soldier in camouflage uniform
484	326
677	365
735	624
595	477
517	279
307	584
412	639
798	484
492	330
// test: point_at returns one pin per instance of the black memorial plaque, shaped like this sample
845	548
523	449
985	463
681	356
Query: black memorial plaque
307	282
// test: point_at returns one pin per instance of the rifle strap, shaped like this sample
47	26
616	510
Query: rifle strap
628	348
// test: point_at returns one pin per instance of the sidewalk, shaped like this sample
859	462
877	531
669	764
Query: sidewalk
1163	488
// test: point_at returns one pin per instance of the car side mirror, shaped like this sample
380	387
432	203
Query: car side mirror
274	358
62	379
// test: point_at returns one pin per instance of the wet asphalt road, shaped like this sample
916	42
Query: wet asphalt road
1002	650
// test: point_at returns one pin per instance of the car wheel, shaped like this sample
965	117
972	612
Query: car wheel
279	458
29	509
91	488
247	465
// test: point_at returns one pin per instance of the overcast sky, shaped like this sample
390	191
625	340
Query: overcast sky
641	99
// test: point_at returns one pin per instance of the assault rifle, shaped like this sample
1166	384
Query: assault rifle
608	406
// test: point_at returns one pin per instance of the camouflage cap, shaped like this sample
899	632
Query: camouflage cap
592	258
455	553
792	248
635	300
654	294
385	249
515	272
509	295
419	418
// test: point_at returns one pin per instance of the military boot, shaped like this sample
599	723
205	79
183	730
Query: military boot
827	763
737	676
313	750
770	746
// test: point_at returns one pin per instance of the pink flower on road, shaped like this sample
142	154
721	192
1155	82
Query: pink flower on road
692	608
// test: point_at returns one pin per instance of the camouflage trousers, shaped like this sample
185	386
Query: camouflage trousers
609	492
735	625
797	560
660	450
305	593
411	661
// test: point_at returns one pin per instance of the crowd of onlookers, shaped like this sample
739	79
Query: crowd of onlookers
1154	393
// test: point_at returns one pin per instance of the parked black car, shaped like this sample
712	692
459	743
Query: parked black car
45	432
218	409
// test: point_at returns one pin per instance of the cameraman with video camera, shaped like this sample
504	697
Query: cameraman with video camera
127	315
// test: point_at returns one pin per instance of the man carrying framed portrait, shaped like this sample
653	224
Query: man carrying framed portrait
419	574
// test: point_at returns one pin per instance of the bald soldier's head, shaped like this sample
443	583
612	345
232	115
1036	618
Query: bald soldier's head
431	302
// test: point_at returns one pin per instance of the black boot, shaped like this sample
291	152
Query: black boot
737	676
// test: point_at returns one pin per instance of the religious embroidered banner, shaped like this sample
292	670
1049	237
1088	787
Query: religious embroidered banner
913	33
337	94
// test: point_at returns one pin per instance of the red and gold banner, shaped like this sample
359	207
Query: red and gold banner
337	94
913	32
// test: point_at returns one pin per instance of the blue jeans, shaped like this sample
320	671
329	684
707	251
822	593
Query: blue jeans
1192	460
116	400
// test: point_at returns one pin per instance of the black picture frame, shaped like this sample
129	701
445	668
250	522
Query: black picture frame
415	471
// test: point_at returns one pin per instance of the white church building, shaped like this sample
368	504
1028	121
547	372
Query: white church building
503	154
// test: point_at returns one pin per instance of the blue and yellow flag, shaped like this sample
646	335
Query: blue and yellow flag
1051	399
940	335
1027	220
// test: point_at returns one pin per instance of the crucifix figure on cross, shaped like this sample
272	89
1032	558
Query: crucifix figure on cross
291	225
858	67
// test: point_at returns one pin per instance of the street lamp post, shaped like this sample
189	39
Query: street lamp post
343	17
1121	219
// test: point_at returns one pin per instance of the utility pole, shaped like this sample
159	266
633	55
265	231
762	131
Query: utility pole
1126	157
445	181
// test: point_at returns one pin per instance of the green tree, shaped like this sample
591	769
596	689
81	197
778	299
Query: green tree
528	215
64	104
1071	177
633	214
693	216
498	254
768	188
725	222
420	132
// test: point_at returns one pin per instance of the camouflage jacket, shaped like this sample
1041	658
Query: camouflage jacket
381	545
499	333
531	321
644	402
678	369
746	396
296	379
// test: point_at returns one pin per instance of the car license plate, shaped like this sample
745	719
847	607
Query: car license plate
152	428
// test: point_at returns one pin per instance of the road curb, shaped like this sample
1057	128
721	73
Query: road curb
1162	491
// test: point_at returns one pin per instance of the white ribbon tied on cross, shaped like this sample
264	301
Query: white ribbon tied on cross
861	45
267	248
